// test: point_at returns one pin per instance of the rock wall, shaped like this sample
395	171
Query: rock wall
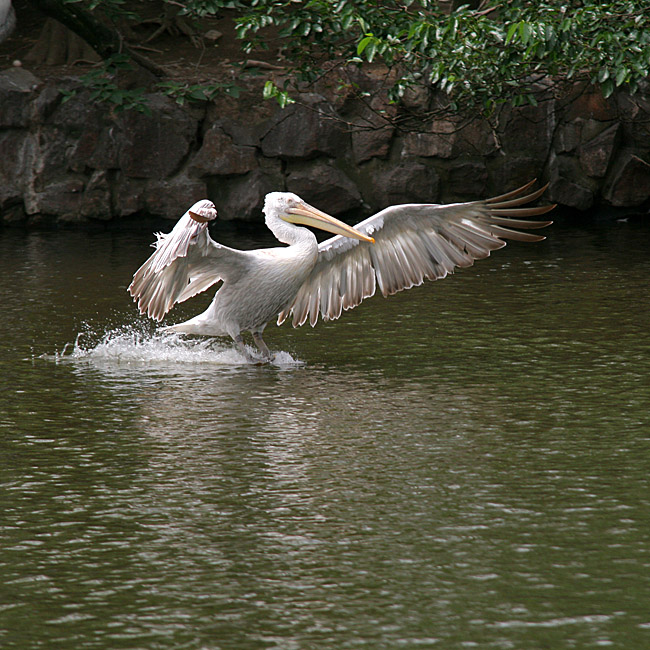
79	161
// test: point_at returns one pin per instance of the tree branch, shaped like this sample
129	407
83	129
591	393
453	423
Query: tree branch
104	39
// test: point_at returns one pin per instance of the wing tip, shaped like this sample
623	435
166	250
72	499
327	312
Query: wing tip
513	193
199	218
504	212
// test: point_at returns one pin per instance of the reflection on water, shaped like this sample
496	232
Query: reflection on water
462	465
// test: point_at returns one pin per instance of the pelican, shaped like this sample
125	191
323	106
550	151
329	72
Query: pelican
397	248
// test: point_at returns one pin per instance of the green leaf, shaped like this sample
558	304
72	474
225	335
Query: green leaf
233	91
269	91
453	26
363	44
607	88
549	33
370	50
67	95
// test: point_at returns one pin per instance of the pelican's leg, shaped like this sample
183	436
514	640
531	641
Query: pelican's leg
259	342
239	341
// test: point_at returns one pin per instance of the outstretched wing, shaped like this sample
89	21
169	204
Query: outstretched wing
413	243
186	262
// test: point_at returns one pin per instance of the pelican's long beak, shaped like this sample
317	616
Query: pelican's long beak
307	215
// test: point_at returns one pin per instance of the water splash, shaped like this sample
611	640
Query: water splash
137	344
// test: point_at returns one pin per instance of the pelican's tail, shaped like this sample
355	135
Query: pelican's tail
196	325
180	328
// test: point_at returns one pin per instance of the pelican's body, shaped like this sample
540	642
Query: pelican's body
269	283
396	249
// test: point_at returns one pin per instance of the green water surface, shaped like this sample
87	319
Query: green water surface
463	465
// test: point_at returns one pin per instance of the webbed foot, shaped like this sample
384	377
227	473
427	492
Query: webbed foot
266	357
259	342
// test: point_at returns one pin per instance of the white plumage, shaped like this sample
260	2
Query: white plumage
395	249
7	19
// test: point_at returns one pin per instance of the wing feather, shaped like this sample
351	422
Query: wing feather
413	243
186	261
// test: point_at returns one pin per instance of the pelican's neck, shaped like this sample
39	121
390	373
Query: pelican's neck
289	233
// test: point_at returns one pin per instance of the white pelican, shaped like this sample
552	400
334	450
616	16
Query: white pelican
397	248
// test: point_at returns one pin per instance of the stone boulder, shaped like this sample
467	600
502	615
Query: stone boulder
62	199
218	156
16	94
154	146
96	148
242	197
509	172
305	131
596	154
437	140
629	184
408	182
566	186
96	197
370	143
67	157
171	197
445	138
324	186
130	199
14	165
528	130
467	180
567	136
586	101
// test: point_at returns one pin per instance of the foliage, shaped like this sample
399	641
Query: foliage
183	92
103	86
503	51
271	91
494	54
101	82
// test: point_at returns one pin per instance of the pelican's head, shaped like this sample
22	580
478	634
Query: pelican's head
291	208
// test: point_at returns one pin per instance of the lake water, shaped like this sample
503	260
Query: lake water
463	465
